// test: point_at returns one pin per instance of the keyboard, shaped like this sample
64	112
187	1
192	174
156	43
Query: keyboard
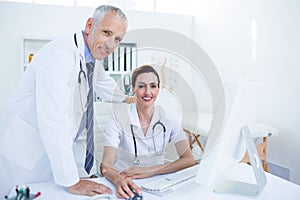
172	181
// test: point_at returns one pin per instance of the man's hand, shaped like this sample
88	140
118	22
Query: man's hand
89	188
130	99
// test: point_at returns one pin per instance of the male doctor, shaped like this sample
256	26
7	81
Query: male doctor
47	113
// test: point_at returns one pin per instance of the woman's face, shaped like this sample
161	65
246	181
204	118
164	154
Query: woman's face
146	89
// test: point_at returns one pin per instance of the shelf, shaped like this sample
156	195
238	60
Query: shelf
30	45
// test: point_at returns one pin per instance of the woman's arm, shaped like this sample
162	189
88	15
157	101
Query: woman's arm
185	160
124	185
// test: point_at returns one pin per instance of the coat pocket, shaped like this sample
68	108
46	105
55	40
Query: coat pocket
21	144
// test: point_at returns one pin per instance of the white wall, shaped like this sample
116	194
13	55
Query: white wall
19	20
23	20
223	29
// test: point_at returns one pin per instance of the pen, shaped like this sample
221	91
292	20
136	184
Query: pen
37	195
18	193
17	189
19	196
23	192
27	192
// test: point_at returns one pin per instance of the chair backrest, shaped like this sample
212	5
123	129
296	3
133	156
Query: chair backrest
102	114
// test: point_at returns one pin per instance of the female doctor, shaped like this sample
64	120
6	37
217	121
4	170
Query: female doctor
137	136
39	126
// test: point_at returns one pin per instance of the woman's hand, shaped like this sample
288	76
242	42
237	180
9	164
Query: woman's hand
89	188
139	172
124	187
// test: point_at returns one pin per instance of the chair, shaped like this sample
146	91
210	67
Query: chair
102	114
261	132
197	132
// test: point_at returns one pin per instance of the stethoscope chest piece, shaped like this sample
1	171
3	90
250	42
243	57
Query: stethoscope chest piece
136	162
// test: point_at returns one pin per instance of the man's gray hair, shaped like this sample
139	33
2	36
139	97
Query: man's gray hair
104	9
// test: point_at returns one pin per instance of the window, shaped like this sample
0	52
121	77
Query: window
188	7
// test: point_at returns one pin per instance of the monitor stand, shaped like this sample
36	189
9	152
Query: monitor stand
243	188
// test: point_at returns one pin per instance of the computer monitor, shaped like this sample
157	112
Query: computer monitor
242	101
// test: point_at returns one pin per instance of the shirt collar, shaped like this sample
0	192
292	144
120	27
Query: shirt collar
133	115
87	53
134	118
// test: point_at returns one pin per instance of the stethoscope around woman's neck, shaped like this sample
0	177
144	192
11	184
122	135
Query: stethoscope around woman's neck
136	161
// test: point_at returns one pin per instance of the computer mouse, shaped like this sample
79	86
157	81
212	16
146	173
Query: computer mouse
136	196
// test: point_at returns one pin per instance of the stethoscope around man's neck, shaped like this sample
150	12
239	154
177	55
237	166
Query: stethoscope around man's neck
136	161
82	81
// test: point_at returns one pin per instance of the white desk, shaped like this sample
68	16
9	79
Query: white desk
276	189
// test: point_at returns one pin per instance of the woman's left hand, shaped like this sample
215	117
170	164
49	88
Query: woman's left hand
139	172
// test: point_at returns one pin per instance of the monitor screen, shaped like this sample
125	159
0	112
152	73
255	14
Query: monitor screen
242	101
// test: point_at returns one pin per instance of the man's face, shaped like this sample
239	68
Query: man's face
105	36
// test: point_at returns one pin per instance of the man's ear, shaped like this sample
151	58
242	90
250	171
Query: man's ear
89	25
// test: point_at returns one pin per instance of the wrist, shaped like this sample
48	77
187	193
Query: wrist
158	169
130	99
118	179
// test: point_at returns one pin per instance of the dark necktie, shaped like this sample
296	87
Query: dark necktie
89	158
